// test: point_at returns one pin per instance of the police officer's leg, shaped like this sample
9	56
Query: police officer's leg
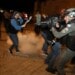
64	58
45	46
55	51
53	55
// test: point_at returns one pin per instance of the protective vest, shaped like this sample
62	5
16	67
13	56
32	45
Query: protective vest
69	39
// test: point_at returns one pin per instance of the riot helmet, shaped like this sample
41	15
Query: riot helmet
70	12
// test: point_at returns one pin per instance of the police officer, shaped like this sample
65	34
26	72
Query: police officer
69	32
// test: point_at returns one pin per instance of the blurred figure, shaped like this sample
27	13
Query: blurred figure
38	21
25	16
62	13
69	33
14	25
38	18
46	33
1	19
6	20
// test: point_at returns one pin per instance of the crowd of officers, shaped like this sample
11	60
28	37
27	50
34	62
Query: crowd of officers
58	31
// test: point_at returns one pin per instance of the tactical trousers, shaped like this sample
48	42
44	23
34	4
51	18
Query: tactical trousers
66	56
53	55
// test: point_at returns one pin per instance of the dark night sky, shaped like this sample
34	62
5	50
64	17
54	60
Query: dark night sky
26	5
